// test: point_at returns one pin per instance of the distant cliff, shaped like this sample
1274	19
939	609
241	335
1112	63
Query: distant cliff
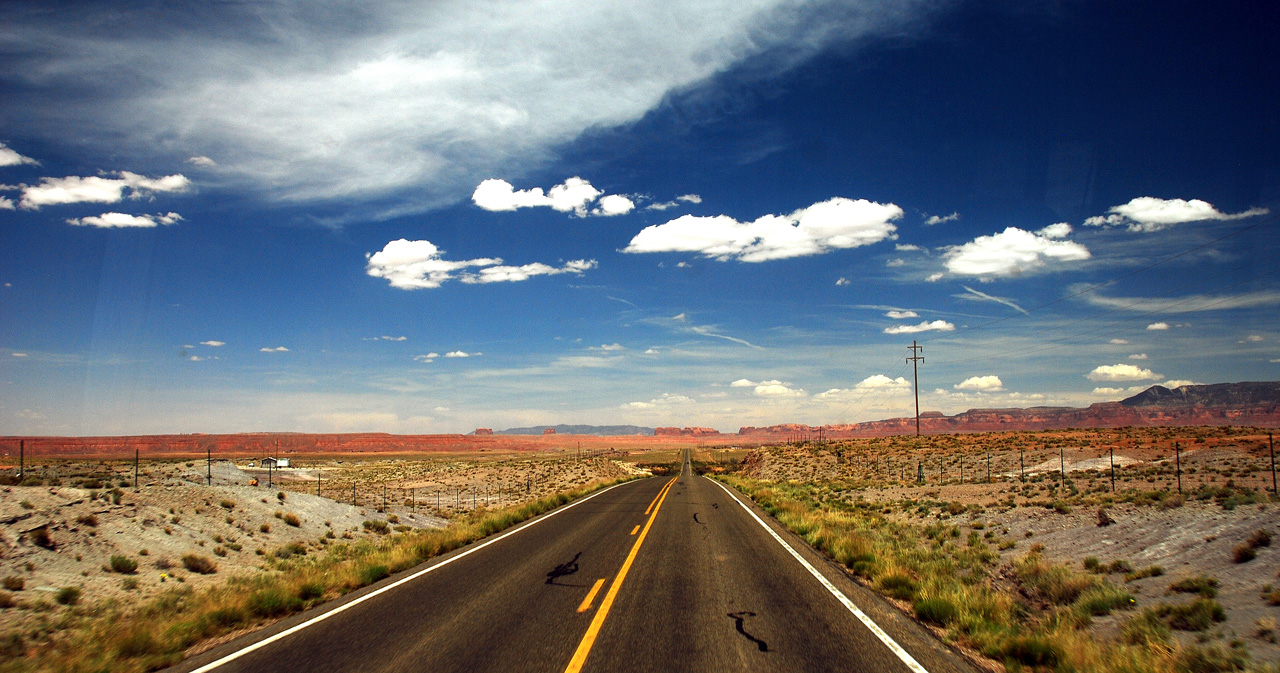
597	430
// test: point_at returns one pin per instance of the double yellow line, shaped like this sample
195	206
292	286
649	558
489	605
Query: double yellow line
589	638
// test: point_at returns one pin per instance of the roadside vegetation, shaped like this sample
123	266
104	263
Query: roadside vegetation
118	636
1026	611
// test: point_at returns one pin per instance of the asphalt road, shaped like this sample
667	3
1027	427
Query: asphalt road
660	574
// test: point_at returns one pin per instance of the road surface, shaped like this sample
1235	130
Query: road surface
659	574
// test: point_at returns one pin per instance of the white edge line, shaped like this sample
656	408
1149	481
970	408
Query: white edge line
884	637
321	617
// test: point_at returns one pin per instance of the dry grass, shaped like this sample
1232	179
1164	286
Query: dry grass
116	637
1031	613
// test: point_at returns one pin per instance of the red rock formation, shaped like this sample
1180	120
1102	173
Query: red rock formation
684	432
483	431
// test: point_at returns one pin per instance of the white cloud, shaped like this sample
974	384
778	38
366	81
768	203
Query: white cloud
461	354
1188	304
8	157
608	348
842	281
977	295
837	223
427	357
936	325
277	349
934	277
689	198
1119	342
6	203
1121	372
893	263
935	219
902	315
1178	383
906	247
412	265
1254	338
1059	230
202	161
661	205
1109	392
124	220
385	337
988	383
1148	213
743	383
651	351
667	399
196	358
1138	356
365	100
16	354
882	382
213	343
776	389
614	204
573	195
98	189
1009	253
1158	326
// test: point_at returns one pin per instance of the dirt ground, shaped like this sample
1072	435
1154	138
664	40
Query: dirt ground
64	532
1195	534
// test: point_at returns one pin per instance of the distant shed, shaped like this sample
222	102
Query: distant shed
275	462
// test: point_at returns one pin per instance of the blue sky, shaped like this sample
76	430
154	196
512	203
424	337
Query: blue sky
430	218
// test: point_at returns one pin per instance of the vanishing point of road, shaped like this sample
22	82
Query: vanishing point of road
659	574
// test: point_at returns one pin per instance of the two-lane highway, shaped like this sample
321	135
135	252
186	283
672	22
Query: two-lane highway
660	574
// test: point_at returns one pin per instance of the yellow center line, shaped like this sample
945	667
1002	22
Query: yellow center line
659	495
636	529
591	596
589	638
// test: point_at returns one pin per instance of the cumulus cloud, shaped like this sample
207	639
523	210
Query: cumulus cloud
837	223
426	357
894	263
934	277
277	349
689	198
1178	383
1148	213
939	219
608	348
124	220
1109	392
882	382
1118	342
613	204
1122	372
98	189
1138	356
842	281
213	343
1158	326
8	157
461	354
6	203
1009	253
902	315
906	247
412	265
202	161
990	384
1254	338
1059	230
772	388
927	326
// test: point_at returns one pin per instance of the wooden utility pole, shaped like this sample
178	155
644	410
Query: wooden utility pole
135	470
1177	456
208	463
22	459
914	359
1271	442
1113	469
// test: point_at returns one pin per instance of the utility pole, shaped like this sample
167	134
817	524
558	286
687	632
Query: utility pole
1177	456
22	460
1113	469
914	359
135	470
208	463
1271	442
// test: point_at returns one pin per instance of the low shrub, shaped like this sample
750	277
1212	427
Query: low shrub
1031	650
1259	538
1198	615
123	565
1243	553
292	520
14	583
68	595
202	565
939	611
373	572
898	586
1200	584
87	520
1149	571
272	602
377	526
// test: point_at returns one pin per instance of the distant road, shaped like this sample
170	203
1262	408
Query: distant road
661	574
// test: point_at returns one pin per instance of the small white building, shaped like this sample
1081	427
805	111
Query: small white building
275	462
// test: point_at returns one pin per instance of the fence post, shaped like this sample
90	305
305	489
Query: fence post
135	470
1062	466
1177	457
1113	469
1272	444
1022	466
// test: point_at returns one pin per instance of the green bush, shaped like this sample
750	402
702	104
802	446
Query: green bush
272	603
199	564
68	595
1035	651
372	573
898	586
377	526
939	611
310	590
1200	584
1102	599
1198	615
123	565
